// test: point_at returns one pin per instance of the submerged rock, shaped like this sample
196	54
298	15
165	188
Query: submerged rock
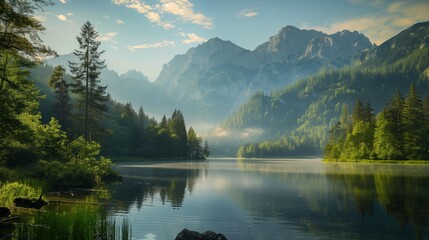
30	202
4	212
186	234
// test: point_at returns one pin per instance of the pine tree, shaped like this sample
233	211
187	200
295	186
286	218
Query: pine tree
62	107
163	123
359	142
19	36
358	112
206	150
384	138
396	128
195	150
426	127
141	118
86	74
20	49
413	120
177	129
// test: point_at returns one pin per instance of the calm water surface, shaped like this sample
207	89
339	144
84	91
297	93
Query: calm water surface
274	199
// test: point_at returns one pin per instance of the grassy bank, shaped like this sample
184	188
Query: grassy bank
412	162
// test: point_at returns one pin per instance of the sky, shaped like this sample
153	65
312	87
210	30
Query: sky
146	34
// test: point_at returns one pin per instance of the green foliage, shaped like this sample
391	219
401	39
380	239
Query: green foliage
413	122
135	134
92	96
304	112
63	175
12	190
195	148
78	222
62	107
396	134
206	150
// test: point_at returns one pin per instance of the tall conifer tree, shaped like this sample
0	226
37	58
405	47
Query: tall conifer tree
86	74
62	107
413	120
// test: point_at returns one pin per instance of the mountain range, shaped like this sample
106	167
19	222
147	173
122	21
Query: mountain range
212	80
218	76
296	119
288	90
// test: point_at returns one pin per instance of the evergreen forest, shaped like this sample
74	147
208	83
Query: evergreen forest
398	132
301	115
57	126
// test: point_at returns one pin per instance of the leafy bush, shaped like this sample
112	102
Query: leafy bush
10	191
61	175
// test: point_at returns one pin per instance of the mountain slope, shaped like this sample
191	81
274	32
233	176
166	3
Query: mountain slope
302	113
217	76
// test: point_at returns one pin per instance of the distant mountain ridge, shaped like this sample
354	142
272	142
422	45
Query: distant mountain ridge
211	80
297	118
218	75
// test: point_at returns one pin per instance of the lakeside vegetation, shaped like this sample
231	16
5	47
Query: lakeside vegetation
399	132
301	115
56	129
80	122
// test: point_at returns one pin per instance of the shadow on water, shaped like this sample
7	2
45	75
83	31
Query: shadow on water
270	199
348	201
142	183
402	191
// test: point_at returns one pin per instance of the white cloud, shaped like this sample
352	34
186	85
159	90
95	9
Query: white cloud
134	4
70	14
119	22
165	43
62	17
108	37
192	38
153	17
379	28
184	10
145	9
63	1
247	13
167	26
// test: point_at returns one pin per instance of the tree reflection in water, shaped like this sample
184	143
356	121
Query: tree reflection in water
143	183
344	200
403	196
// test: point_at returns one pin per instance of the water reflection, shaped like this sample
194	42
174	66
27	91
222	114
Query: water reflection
142	183
347	200
403	191
271	199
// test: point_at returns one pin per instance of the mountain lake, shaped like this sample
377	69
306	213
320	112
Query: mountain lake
273	199
256	199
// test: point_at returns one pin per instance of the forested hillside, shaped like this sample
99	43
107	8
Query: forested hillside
303	113
55	125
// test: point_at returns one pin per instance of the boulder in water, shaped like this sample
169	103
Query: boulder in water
30	202
186	234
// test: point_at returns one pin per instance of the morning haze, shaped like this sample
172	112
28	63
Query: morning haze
181	119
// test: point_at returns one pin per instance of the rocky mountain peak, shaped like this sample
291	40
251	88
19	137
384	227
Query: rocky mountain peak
134	74
287	45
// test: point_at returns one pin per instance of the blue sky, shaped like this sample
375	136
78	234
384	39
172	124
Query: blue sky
145	34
